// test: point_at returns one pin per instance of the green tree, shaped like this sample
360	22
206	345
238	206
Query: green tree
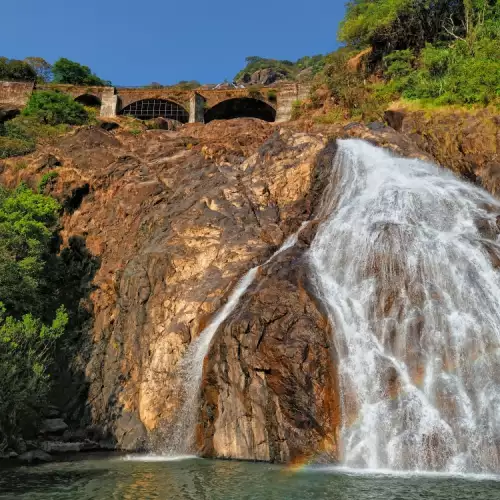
54	108
398	24
66	71
27	221
14	70
27	342
41	67
26	354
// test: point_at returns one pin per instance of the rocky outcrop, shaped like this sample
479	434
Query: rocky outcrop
173	220
266	76
270	390
467	142
163	224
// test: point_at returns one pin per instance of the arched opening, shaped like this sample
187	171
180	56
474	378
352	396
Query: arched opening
242	107
152	108
89	100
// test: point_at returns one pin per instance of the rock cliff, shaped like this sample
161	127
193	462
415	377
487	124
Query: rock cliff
174	219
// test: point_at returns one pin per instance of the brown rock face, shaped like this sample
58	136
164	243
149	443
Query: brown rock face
270	390
466	142
174	219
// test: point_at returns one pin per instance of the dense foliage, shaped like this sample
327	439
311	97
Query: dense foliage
66	71
439	52
54	108
47	115
27	336
14	70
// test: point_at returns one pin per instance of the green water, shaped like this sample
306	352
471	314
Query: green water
117	479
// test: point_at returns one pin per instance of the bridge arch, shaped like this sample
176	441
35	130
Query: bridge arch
241	107
89	100
145	109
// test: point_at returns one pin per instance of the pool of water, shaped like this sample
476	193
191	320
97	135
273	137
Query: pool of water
145	478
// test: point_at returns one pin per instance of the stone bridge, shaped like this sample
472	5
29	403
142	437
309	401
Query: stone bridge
200	105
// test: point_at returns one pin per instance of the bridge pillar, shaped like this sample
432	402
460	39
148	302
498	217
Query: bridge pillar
197	109
287	96
109	103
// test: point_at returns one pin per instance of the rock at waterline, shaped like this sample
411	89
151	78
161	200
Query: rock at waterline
53	426
35	456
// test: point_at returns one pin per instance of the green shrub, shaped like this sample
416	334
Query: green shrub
28	127
399	63
54	108
46	179
26	353
27	342
15	147
297	110
333	116
71	72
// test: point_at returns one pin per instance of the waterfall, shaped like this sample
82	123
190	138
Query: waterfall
191	367
405	271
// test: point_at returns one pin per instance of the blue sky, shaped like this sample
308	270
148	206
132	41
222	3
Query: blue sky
136	42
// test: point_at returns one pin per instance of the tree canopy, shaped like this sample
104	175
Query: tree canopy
27	222
401	24
71	72
14	70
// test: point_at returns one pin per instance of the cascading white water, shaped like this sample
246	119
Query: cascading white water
407	277
191	366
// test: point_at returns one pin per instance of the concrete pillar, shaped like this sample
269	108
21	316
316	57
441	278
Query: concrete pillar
197	109
287	95
109	103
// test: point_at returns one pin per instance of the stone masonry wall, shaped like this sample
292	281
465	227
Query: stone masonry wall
15	94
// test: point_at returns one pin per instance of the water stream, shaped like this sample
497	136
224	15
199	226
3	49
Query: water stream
406	273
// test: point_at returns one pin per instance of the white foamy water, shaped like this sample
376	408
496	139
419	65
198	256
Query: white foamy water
415	303
181	437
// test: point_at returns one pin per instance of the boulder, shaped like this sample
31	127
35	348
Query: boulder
53	426
35	456
162	123
61	447
270	389
266	76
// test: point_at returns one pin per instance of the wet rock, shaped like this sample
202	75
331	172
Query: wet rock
35	456
394	119
270	388
61	447
130	432
53	426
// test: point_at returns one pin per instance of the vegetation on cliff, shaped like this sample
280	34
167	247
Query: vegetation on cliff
46	115
433	52
30	320
15	70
